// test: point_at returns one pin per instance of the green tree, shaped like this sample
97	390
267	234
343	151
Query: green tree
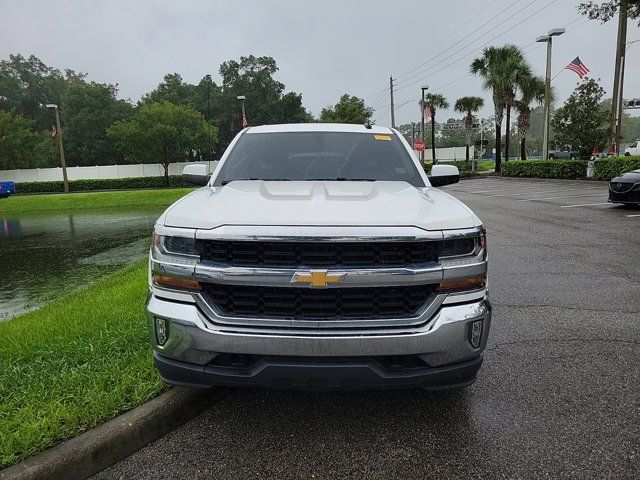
434	101
172	89
266	103
580	124
88	109
20	146
27	84
532	89
349	109
604	11
469	106
500	69
163	133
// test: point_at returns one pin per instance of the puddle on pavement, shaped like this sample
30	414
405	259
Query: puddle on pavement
46	255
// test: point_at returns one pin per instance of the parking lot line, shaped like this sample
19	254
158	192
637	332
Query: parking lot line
545	191
564	196
637	215
584	205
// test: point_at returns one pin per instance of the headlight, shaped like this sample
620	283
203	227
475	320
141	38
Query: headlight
463	248
169	245
173	259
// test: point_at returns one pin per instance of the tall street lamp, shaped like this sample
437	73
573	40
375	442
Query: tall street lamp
547	89
423	89
242	98
65	180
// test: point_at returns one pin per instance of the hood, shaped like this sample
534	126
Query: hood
319	203
629	177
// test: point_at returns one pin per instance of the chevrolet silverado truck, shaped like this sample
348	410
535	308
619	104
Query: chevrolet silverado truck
319	256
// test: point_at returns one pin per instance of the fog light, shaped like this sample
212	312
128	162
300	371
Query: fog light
475	333
162	330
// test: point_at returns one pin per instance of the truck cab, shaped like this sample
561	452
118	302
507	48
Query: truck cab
319	256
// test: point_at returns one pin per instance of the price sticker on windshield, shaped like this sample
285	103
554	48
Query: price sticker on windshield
384	138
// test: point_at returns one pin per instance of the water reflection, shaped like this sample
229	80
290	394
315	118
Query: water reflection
45	255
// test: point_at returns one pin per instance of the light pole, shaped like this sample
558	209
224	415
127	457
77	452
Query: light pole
65	180
242	98
547	89
423	89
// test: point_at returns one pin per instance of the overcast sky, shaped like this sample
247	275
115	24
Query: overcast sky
323	49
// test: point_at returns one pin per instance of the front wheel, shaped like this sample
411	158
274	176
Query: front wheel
552	157
627	154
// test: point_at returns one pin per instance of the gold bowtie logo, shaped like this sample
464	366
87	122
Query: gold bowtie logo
317	278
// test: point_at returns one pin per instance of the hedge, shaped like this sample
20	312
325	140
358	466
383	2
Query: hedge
570	169
608	168
463	166
99	184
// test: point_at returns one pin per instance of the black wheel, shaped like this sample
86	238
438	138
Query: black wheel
627	154
552	157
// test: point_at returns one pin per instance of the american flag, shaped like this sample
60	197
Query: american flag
244	120
578	67
53	131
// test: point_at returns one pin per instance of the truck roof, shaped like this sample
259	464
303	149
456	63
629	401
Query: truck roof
319	127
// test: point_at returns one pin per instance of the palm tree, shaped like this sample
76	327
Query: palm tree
468	105
531	90
434	101
517	71
500	67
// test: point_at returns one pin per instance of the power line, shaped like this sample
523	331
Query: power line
421	72
476	49
462	39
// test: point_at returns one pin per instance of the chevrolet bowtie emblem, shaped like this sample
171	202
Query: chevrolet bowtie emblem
317	278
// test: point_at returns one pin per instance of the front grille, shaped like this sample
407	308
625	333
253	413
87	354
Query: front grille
307	303
620	187
318	253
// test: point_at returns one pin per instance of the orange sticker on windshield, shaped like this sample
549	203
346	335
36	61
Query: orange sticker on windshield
386	138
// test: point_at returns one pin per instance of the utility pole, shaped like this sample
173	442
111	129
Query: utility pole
620	90
393	110
617	80
423	88
63	163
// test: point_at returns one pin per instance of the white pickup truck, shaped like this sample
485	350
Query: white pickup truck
319	256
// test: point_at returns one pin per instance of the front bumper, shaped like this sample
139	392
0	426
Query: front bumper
320	359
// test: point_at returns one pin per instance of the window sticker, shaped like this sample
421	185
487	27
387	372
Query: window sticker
385	138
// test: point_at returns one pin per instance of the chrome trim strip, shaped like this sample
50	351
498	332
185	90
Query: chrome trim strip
352	277
330	233
261	325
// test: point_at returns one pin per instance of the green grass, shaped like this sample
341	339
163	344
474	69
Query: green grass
75	201
74	364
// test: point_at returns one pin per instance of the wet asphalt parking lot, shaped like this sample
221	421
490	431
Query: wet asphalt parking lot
557	397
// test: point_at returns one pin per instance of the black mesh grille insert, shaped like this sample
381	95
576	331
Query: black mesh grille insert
326	303
318	253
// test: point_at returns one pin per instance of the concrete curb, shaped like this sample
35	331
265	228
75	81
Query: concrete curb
97	449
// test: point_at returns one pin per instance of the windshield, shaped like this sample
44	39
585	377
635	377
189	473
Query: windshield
337	156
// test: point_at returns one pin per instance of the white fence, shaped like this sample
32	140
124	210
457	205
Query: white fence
96	172
452	153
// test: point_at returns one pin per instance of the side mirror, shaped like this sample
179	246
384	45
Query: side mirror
197	174
444	175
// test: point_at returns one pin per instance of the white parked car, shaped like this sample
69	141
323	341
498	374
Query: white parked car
633	149
319	256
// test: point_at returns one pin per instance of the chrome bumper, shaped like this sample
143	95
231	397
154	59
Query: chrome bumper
442	340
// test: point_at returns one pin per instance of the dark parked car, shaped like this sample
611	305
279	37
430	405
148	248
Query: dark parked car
625	188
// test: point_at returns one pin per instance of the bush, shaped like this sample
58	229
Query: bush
545	168
608	168
99	184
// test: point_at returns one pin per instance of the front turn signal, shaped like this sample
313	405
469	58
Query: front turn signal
462	284
169	281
